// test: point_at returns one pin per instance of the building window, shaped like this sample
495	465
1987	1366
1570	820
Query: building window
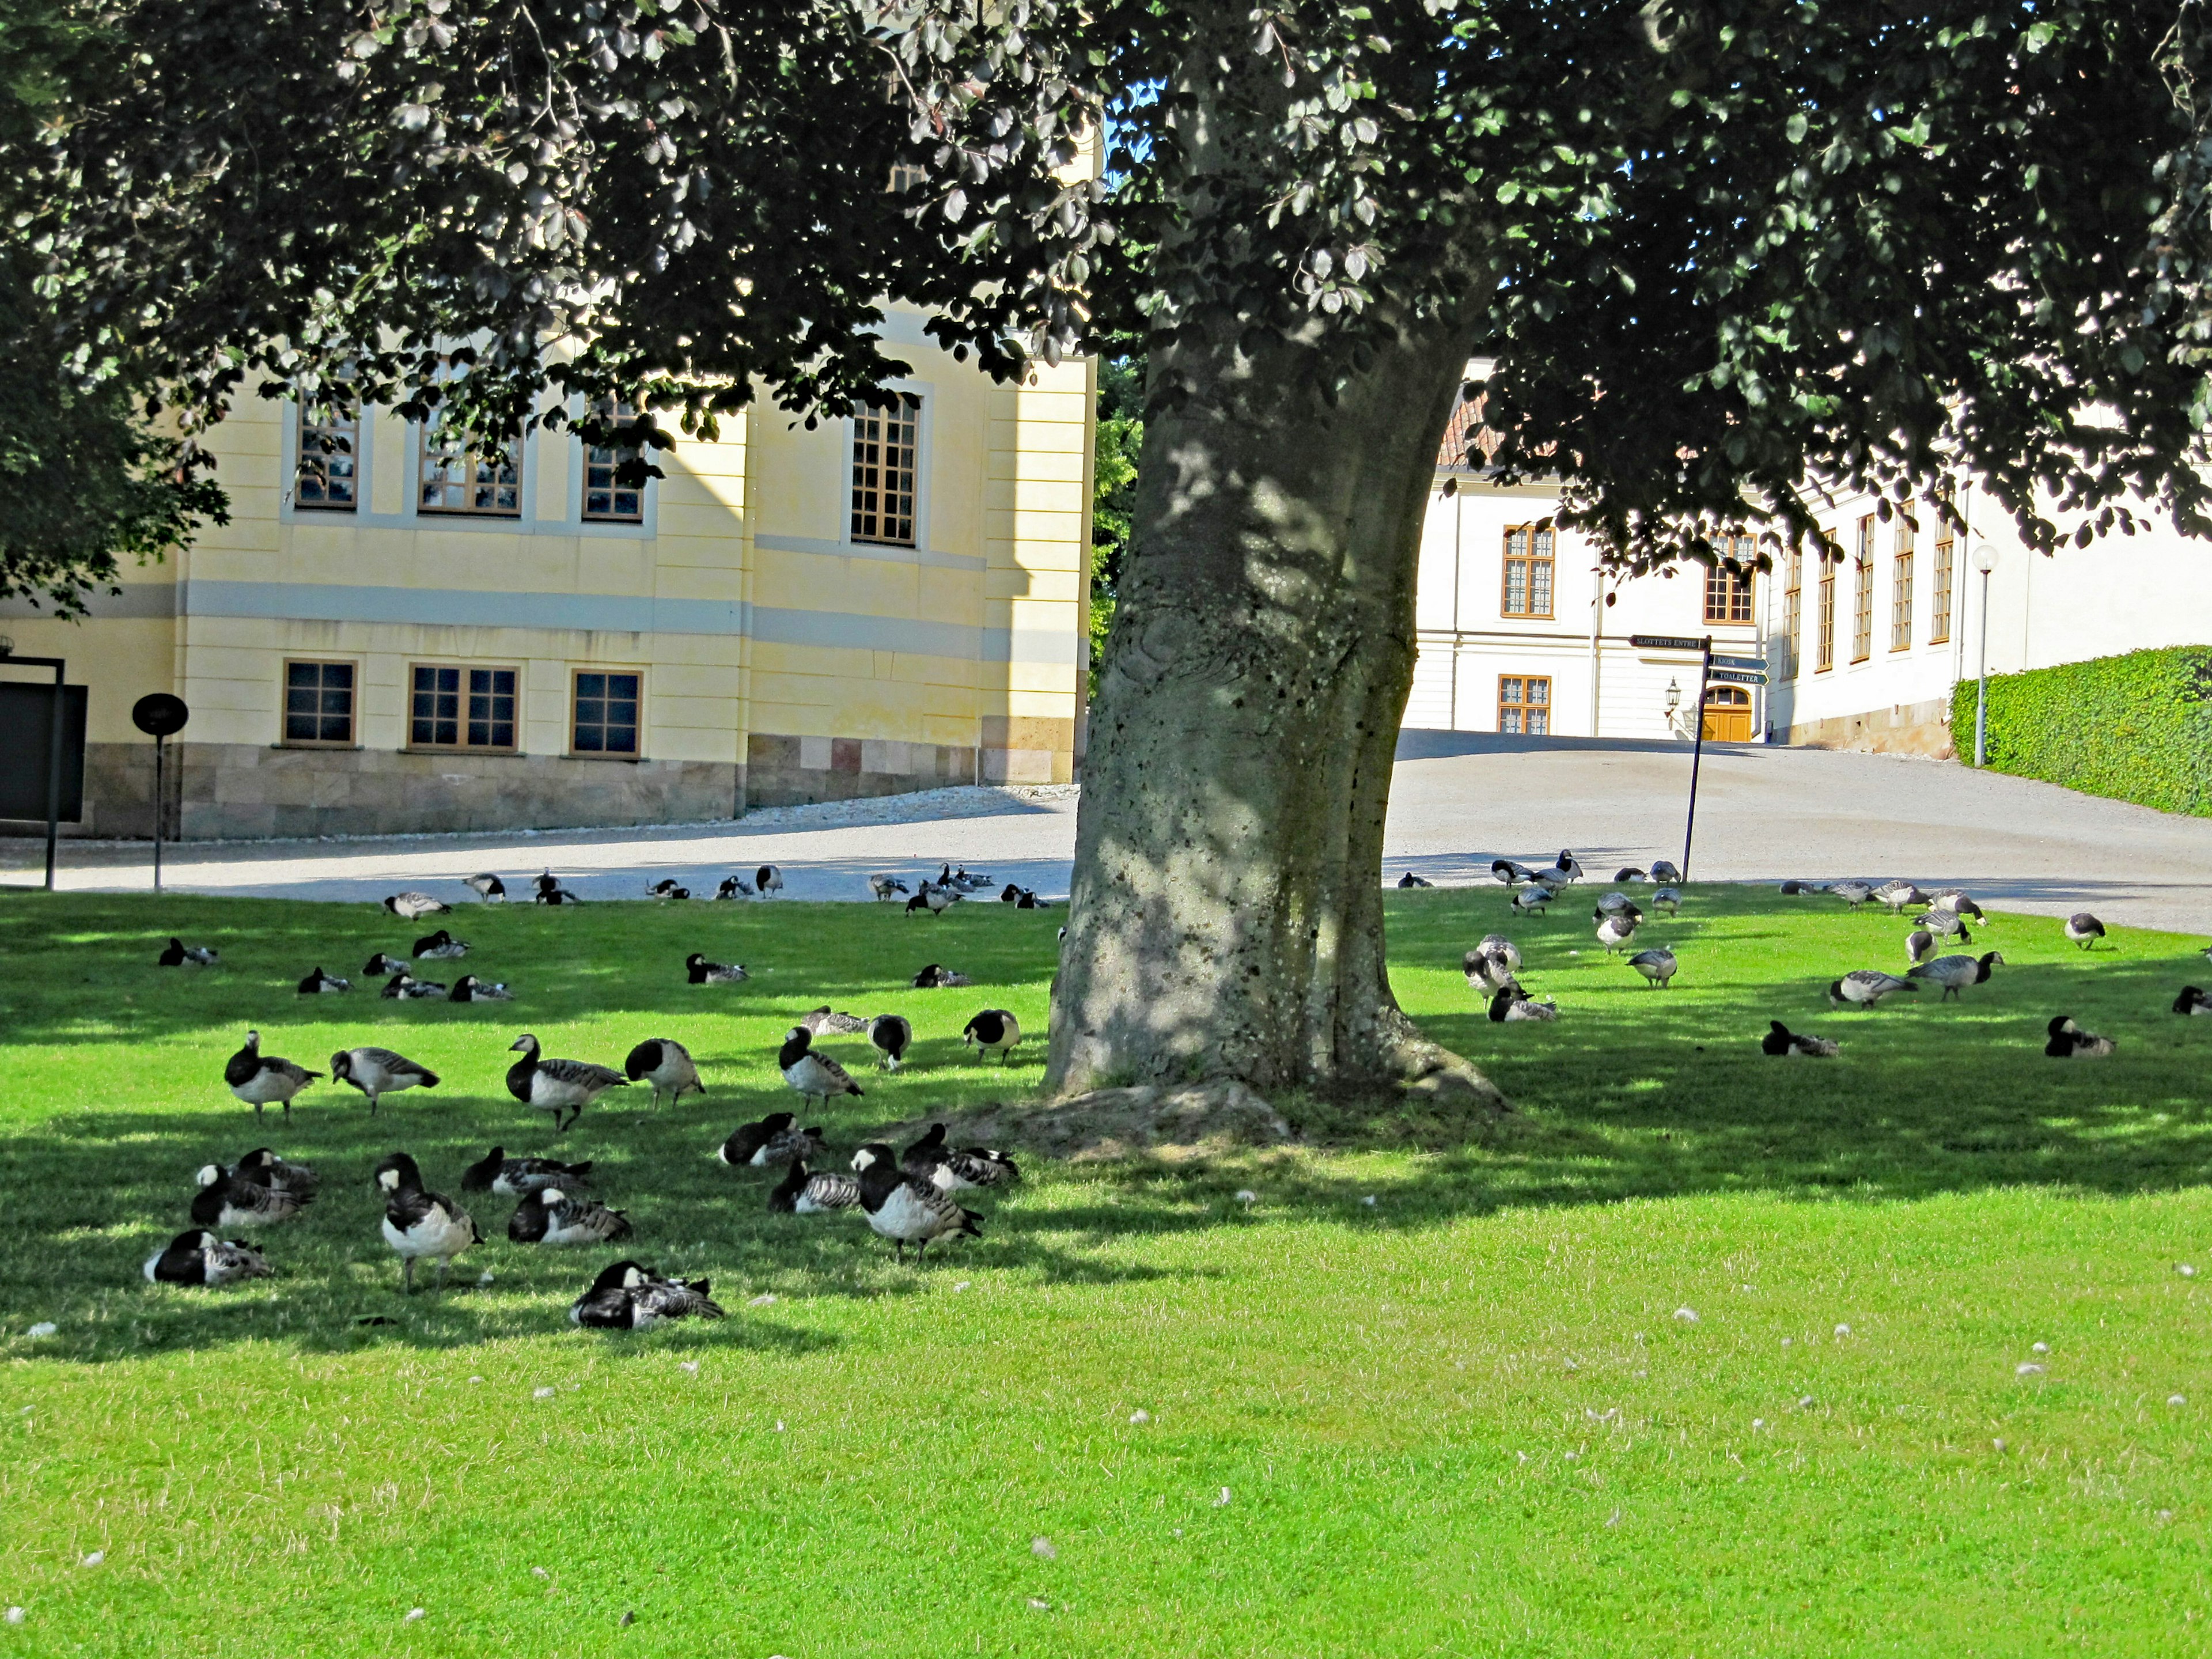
606	713
1939	613
459	480
886	459
1728	590
327	477
607	500
461	708
1863	593
318	702
1529	566
1524	705
1793	614
1900	587
1830	555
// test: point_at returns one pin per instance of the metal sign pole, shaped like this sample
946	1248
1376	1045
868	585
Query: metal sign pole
161	802
1697	756
54	776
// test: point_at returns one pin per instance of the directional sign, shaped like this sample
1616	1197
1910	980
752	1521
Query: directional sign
1736	677
1749	665
1665	642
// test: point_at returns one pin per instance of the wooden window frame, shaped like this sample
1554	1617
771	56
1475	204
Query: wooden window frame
475	468
873	516
576	749
1793	615
1530	560
284	738
1824	660
461	717
1527	706
312	460
1942	598
605	459
1736	593
1863	593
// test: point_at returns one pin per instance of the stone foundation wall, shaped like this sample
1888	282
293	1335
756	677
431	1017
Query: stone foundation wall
1908	729
783	771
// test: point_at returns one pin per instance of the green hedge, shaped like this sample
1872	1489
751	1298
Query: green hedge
2136	727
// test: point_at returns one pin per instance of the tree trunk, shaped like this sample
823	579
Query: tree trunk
1226	914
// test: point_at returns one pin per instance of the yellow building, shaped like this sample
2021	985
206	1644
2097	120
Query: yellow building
400	638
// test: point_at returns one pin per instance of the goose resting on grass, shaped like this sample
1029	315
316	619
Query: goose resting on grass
403	987
260	1079
440	946
199	1257
666	1065
381	966
557	1086
1954	974
263	1168
733	887
769	1142
181	954
907	1211
800	1192
1866	986
469	988
413	907
1409	880
319	983
1781	1041
628	1296
948	1168
703	972
2069	1042
822	1023
1510	1005
379	1071
518	1177
228	1200
936	976
550	1216
2192	1000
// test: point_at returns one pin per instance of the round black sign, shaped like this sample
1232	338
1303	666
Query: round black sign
159	715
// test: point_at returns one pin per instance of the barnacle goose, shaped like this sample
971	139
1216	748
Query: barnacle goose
1486	971
1794	889
1899	894
1657	965
993	1028
2084	930
890	1036
1954	974
469	988
1944	924
549	1216
822	1023
703	972
440	946
554	895
1509	1004
628	1296
1619	904
1919	946
2192	1000
413	907
319	983
1781	1041
1668	899
950	1167
260	1079
666	1065
418	1223
976	883
403	987
518	1177
199	1257
1955	900
884	887
934	899
1531	901
263	1167
800	1192
1630	872
2069	1042
1564	870
1512	874
1497	944
770	1141
768	879
904	1210
666	888
1853	893
234	1199
181	954
936	976
381	966
1613	931
1866	986
815	1076
1665	874
379	1071
733	887
557	1085
487	887
1409	880
545	882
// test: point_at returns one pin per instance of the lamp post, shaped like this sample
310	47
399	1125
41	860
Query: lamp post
1986	560
1673	700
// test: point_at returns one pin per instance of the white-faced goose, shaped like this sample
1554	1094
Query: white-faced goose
1510	1006
884	887
952	1168
1486	971
733	887
823	1023
1409	880
260	1079
2069	1042
418	1223
263	1167
487	887
817	1077
1944	924
800	1192
1668	900
319	983
1853	893
905	1210
701	971
934	900
550	1216
1781	1042
993	1028
1899	894
440	946
1631	872
518	1177
2192	1000
177	954
199	1257
1531	901
628	1296
1956	900
1954	974
1865	987
1613	931
381	966
936	976
1564	870
768	880
545	882
1657	965
413	907
403	987
890	1036
1497	944
469	988
1664	873
557	1086
666	1065
772	1141
235	1199
1512	874
1919	946
379	1071
666	888
554	895
1619	904
2084	930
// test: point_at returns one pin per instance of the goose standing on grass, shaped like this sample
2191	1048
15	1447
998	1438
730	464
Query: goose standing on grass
413	907
1956	900
703	972
884	887
1531	901
666	1065
1919	946
2084	930
1657	965
936	976
950	1168
2192	1000
1631	872
1668	900
993	1028
381	966
890	1036
556	895
1497	944
1899	894
768	879
1512	874
545	882
318	984
904	1210
487	887
2069	1042
1565	869
1486	971
816	1076
469	988
518	1177
1613	931
199	1257
628	1296
557	1085
935	899
1853	893
550	1216
1665	874
235	1199
1865	987
733	887
1782	1042
771	1141
1954	974
379	1071
440	946
418	1223
1944	924
260	1079
1511	1004
800	1192
181	954
823	1023
403	987
1619	904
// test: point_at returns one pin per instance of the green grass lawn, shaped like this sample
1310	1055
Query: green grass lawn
1468	1417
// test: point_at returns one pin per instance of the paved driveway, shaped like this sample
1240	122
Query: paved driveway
1459	800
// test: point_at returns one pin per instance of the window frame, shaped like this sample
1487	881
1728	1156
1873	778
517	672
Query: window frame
1507	559
1901	593
637	725
284	738
856	438
1942	598
1525	706
1739	591
623	412
461	718
1831	558
1793	615
516	447
306	455
1862	593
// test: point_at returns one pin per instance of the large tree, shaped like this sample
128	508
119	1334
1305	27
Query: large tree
1713	247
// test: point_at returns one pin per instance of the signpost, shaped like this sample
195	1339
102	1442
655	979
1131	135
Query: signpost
1706	674
1734	676
160	717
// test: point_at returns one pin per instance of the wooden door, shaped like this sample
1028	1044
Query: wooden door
1728	715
